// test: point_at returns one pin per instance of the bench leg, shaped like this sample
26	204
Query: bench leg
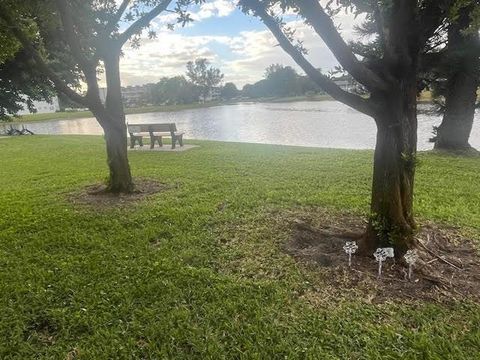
155	139
135	139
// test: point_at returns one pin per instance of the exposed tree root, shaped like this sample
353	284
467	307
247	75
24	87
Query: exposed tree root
448	267
98	195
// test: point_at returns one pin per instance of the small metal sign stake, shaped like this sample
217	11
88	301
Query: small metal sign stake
381	254
411	258
350	248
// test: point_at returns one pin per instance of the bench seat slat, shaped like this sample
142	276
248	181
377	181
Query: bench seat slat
156	132
155	128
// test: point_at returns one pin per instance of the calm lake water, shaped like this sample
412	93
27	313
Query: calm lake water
308	123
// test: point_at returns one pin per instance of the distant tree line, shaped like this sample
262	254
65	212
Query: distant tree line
203	82
280	81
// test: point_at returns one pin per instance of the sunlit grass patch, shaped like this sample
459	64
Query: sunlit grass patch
196	271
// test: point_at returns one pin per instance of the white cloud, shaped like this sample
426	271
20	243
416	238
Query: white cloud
217	8
250	51
165	56
210	9
258	49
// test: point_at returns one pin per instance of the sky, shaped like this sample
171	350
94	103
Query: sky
240	45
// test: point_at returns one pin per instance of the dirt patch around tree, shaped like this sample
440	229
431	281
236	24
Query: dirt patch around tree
97	195
447	269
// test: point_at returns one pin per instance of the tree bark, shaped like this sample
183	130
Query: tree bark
120	179
454	131
391	222
113	123
463	59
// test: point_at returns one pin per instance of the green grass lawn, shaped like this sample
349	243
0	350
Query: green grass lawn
197	271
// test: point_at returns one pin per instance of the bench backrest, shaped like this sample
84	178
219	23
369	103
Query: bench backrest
138	128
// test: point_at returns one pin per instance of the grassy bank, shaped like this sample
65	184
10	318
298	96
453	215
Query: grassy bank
197	271
139	110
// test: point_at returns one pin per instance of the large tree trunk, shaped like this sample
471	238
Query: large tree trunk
391	223
462	82
454	131
120	180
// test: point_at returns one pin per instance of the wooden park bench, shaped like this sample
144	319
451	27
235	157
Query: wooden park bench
156	132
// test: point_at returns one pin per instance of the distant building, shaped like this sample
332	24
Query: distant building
42	107
137	95
344	84
213	94
349	84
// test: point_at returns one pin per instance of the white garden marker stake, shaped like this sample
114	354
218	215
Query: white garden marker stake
411	258
350	248
389	251
381	254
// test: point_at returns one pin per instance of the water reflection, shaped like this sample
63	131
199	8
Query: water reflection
314	123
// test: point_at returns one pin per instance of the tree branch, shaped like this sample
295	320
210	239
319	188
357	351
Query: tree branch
325	28
19	34
143	21
71	36
431	17
88	66
352	100
380	23
117	17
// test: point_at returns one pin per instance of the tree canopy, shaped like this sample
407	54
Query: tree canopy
230	91
21	82
20	85
280	81
175	90
205	76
